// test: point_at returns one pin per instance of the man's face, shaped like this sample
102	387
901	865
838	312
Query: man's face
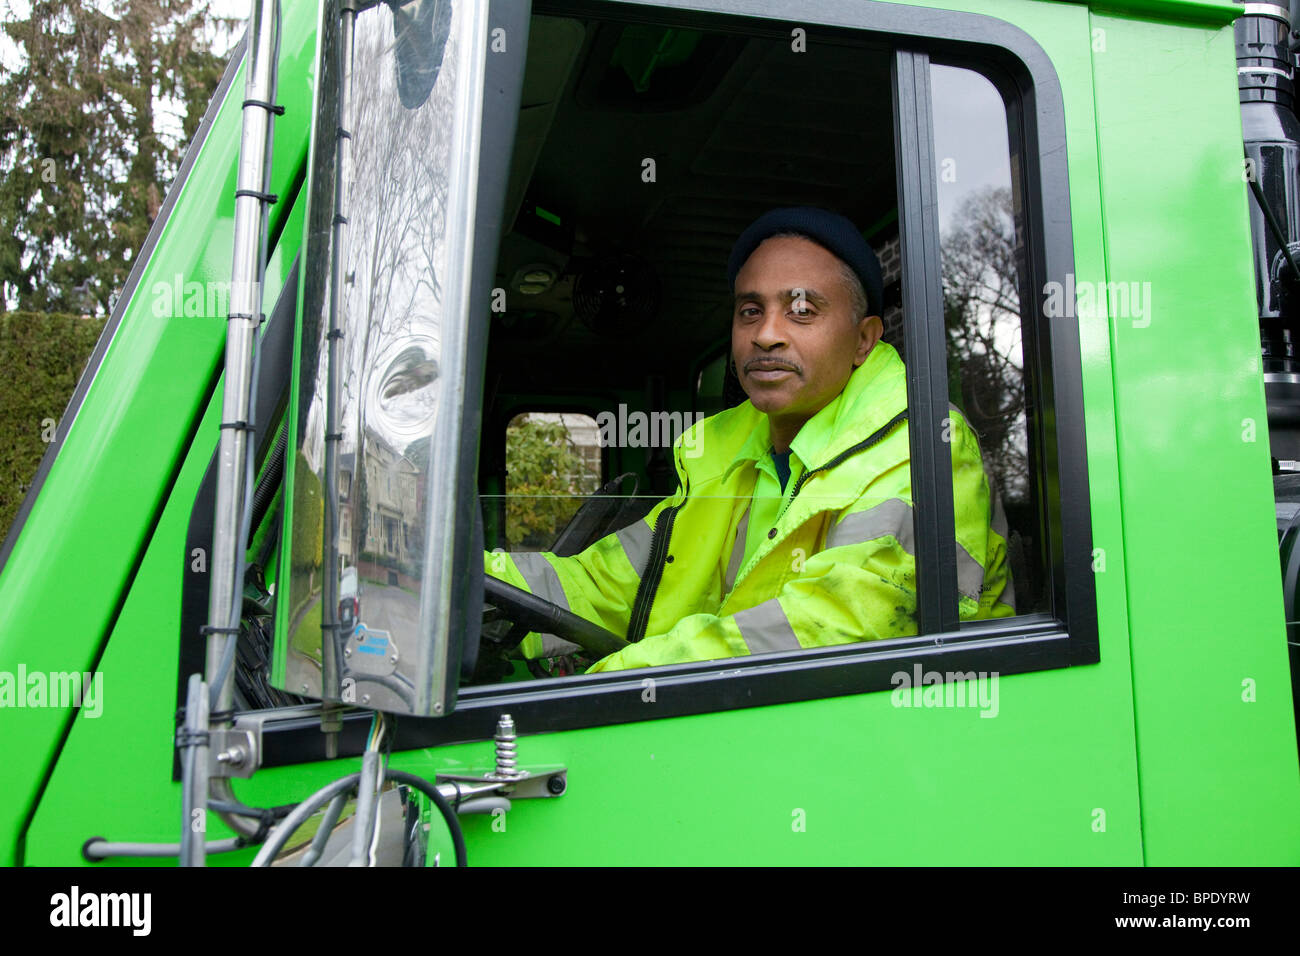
794	337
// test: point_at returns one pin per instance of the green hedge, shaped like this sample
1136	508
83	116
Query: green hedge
41	358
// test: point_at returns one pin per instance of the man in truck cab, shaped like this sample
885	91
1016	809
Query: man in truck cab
792	523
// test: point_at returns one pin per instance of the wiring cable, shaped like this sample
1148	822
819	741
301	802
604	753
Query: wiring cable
285	829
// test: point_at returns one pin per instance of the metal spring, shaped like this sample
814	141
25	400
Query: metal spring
506	748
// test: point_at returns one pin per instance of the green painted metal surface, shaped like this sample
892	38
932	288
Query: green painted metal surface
1216	749
128	744
1151	756
77	553
1204	11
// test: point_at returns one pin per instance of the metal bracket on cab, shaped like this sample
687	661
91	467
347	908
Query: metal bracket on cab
471	792
232	753
237	751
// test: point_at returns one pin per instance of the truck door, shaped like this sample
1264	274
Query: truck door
645	141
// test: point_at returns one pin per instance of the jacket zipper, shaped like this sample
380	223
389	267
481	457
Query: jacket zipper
645	594
872	439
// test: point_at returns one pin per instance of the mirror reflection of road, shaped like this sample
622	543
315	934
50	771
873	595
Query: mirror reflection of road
391	609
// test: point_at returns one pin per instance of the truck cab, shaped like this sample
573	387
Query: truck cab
494	302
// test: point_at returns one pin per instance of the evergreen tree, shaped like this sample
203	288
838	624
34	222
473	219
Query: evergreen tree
95	112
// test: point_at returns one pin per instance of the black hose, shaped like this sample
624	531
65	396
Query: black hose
275	843
439	801
234	806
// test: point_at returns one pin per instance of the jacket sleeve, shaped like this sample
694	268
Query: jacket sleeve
599	584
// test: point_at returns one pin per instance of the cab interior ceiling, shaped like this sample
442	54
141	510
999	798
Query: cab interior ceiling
736	124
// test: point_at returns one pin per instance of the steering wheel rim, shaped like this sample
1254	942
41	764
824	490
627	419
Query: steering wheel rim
539	614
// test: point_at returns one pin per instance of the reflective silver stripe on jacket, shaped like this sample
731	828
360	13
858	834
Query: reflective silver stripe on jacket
890	517
970	574
894	517
766	628
545	583
999	524
737	553
635	539
541	577
998	521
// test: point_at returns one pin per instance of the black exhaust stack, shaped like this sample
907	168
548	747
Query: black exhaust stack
1265	80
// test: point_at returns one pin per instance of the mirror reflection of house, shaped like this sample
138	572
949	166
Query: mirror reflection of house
390	550
347	555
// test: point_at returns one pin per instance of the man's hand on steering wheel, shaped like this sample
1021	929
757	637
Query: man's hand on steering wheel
538	614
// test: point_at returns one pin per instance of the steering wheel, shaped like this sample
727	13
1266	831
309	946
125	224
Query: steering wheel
539	614
593	520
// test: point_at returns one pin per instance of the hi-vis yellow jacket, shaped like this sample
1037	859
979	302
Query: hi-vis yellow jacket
837	567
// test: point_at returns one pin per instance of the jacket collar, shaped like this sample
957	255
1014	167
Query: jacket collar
873	394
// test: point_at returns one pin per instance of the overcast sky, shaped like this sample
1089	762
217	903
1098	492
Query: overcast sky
21	9
169	113
970	130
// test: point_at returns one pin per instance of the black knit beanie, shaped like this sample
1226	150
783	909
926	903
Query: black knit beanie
830	230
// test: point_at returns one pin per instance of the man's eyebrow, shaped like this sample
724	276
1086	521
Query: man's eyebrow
812	295
793	295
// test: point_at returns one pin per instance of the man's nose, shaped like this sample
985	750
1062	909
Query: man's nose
770	331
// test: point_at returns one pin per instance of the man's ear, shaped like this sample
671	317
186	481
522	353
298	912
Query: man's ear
870	329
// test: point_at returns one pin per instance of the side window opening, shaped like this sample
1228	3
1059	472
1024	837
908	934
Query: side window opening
658	262
983	248
625	275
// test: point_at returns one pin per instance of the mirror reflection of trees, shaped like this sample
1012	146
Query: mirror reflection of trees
981	294
397	198
376	266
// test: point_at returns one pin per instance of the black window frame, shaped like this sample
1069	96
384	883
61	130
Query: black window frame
1068	635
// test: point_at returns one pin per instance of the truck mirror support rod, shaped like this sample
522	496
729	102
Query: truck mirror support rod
235	460
473	790
332	630
451	794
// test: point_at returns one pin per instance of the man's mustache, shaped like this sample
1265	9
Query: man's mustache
767	364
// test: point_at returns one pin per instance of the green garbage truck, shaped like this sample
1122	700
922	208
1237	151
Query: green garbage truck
440	291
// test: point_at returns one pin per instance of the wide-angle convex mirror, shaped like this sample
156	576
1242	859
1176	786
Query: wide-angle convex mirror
379	598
